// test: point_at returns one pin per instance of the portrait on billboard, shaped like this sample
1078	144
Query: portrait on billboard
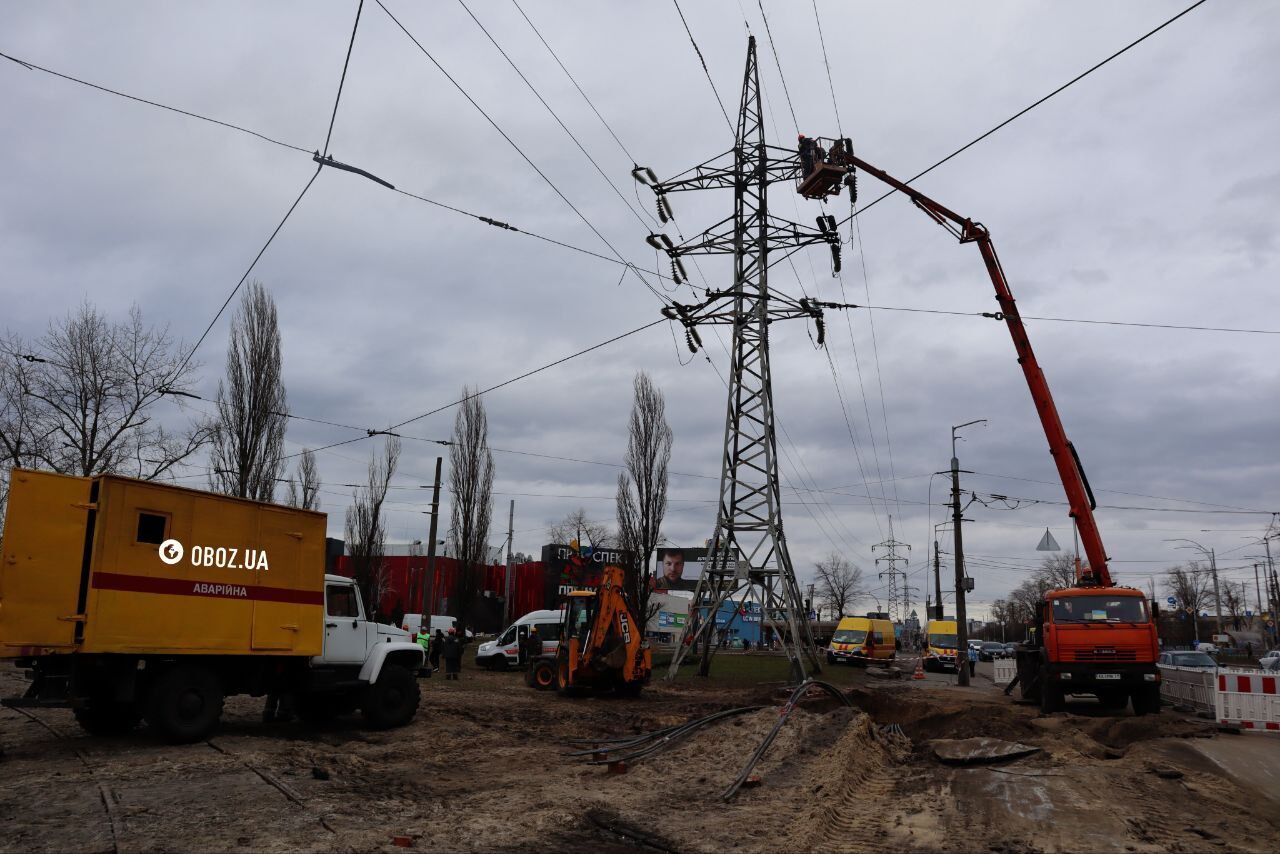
678	569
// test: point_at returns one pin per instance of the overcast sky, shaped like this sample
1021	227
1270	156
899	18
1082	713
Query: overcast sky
1145	193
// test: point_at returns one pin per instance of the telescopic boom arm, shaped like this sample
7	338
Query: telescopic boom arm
1070	470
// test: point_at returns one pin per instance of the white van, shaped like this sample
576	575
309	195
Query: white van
505	651
411	623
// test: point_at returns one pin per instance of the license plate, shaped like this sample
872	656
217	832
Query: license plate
1108	676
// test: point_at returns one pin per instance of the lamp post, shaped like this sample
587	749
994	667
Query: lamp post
962	623
1213	566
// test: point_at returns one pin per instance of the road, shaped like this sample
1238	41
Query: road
484	767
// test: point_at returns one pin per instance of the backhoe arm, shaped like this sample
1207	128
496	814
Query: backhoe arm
1070	471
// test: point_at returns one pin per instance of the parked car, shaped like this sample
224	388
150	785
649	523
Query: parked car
990	651
1207	648
1186	658
1270	661
1010	650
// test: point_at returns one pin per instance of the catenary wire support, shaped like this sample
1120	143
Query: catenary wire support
748	548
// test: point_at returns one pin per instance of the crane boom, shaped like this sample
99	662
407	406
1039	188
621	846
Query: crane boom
1070	470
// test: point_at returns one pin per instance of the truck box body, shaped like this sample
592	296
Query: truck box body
81	571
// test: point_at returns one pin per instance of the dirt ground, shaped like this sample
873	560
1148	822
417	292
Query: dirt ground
484	767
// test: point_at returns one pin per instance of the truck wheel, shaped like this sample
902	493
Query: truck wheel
185	704
1051	698
1146	700
107	717
542	675
563	688
392	701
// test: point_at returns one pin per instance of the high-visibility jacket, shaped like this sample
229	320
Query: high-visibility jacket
424	640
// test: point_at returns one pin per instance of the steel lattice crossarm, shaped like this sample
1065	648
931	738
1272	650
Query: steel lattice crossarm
779	164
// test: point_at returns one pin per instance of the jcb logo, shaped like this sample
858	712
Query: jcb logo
626	628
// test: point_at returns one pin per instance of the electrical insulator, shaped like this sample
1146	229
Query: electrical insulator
831	223
664	209
851	181
678	266
642	175
692	339
822	224
835	258
675	272
822	330
652	240
666	243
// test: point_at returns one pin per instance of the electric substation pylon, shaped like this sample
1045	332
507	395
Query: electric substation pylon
892	558
748	547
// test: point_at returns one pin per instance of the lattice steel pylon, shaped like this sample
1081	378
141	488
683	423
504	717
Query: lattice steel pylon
748	548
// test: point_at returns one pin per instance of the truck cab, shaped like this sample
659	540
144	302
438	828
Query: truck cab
1097	641
940	645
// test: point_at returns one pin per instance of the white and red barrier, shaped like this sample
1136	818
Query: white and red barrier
1247	699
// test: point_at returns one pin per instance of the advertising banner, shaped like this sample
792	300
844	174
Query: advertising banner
678	569
567	570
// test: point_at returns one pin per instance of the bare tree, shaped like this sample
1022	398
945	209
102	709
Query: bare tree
1057	571
304	490
88	389
577	526
839	583
642	488
1191	585
471	482
1235	599
366	531
248	436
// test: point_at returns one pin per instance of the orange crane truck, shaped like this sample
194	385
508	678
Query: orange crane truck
1093	638
602	643
126	599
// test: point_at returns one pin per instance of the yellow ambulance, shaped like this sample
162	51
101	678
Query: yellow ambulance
940	645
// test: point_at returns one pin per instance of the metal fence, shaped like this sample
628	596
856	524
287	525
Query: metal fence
1188	686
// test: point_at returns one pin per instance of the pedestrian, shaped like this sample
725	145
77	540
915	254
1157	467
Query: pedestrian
1248	650
532	646
973	660
437	645
451	652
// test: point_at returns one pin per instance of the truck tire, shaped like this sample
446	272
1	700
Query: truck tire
542	675
392	701
1051	696
1146	700
185	703
107	717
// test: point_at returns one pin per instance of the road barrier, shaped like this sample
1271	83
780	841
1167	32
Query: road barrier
1188	686
1247	699
1005	670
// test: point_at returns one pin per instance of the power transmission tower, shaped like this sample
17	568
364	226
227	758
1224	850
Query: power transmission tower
748	547
892	558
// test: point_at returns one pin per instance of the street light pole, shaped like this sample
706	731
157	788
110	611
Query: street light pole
962	621
1213	567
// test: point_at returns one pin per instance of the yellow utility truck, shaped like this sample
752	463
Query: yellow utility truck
126	599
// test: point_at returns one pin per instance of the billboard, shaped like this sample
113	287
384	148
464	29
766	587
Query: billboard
678	569
566	570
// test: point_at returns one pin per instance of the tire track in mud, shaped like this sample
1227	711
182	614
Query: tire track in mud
108	797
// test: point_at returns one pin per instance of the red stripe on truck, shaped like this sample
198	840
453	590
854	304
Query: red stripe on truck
208	589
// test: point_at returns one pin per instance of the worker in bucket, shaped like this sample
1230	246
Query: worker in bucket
805	146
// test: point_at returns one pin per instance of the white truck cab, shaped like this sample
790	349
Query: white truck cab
364	664
505	651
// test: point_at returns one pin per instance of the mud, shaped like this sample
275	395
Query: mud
485	767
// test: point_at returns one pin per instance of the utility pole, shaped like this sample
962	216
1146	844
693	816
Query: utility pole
1217	599
937	578
511	529
748	548
428	589
892	545
1257	589
962	620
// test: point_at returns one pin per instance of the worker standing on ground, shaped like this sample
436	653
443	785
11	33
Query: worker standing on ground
973	660
423	639
437	644
532	646
452	654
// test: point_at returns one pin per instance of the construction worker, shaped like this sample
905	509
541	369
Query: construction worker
973	660
423	639
451	651
805	146
437	644
532	646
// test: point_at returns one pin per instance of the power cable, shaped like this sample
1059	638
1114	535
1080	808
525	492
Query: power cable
768	32
822	41
343	79
1027	109
705	70
519	150
140	100
555	116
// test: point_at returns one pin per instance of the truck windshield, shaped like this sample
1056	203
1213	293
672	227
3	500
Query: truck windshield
1100	609
849	636
943	641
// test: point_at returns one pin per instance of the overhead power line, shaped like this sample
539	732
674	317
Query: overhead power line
1027	108
32	66
705	70
343	79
